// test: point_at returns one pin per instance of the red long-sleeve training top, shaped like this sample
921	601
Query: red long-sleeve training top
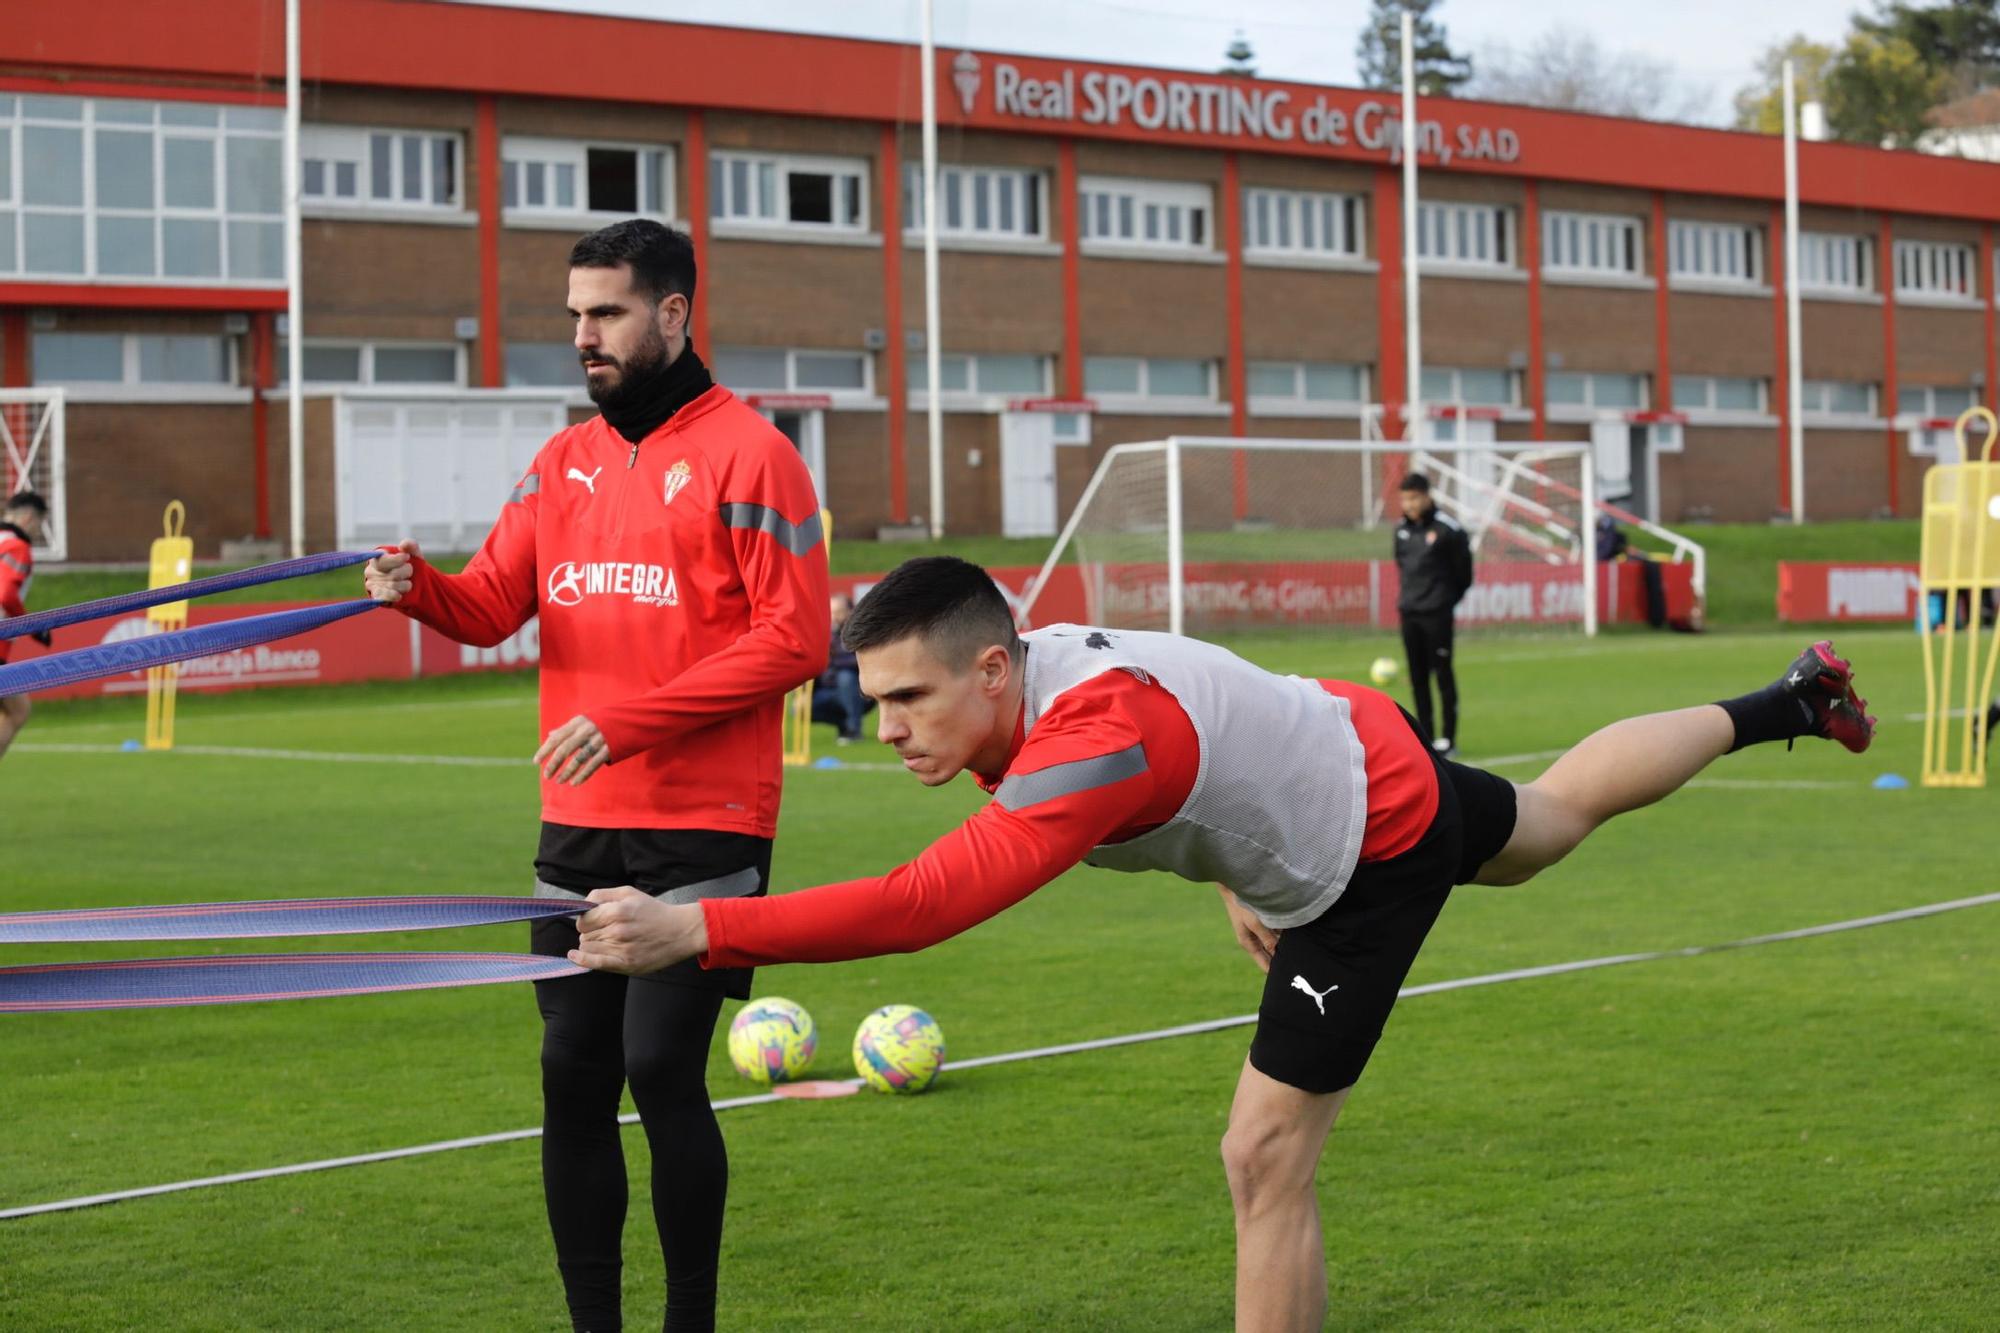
17	570
682	589
1000	855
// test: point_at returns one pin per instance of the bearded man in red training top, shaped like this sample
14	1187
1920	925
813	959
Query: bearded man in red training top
1337	829
672	547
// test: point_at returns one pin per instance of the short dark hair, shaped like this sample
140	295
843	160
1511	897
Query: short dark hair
952	604
1416	481
662	258
29	500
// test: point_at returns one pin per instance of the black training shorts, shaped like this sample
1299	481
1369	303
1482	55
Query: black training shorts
1334	979
677	864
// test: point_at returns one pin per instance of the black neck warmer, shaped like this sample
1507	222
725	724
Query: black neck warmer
643	406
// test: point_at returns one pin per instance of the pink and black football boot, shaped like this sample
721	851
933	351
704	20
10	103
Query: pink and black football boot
1824	683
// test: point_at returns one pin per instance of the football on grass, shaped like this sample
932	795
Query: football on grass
899	1048
771	1040
1385	671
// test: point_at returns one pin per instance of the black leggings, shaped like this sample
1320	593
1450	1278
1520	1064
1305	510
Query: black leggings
599	1032
1427	644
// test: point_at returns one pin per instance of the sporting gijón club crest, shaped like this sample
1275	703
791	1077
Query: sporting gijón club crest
678	477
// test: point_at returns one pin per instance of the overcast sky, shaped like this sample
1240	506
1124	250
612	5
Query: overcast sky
1713	44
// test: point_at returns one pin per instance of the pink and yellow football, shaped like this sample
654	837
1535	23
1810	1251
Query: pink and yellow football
899	1048
772	1040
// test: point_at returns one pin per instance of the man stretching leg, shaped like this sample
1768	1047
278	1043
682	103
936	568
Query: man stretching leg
1338	830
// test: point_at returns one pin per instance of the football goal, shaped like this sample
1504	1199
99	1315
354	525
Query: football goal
1207	535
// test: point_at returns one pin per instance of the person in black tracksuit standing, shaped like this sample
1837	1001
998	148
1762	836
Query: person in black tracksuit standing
1434	560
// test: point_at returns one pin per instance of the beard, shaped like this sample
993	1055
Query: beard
637	373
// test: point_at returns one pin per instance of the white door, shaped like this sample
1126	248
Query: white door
436	469
1478	465
1027	474
807	432
1611	446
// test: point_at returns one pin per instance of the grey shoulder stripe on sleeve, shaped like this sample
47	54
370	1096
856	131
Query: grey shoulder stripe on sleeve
798	538
530	485
14	564
1026	789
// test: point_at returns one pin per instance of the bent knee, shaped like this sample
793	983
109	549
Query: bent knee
1262	1157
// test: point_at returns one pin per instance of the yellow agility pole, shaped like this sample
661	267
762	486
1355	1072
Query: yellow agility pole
172	562
799	703
1960	564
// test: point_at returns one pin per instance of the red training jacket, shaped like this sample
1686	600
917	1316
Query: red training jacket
17	570
1000	856
682	589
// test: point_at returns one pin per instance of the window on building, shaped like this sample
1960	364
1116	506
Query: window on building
567	177
176	192
1720	252
1721	393
1837	398
1576	388
827	194
1299	222
1277	384
1937	269
1835	263
133	358
342	362
991	373
1593	243
362	167
1476	235
1149	377
536	365
993	203
1155	215
792	370
1934	401
1473	388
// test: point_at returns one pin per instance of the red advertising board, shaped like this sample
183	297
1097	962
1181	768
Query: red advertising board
1815	590
382	645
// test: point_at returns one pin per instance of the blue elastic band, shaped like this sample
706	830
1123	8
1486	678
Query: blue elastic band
151	983
110	659
278	917
57	617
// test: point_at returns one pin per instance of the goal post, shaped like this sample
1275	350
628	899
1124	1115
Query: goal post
1223	534
32	442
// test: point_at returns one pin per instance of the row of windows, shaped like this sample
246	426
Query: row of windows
132	190
207	360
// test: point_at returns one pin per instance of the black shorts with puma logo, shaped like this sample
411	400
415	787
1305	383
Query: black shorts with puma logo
1334	980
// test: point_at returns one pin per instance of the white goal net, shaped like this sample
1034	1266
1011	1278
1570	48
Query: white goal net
31	459
1232	535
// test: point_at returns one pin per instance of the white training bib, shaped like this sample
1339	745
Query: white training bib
1280	800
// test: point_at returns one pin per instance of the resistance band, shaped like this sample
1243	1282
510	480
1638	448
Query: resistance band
277	917
109	659
152	983
57	617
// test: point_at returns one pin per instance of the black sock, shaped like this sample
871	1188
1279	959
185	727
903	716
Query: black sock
1769	714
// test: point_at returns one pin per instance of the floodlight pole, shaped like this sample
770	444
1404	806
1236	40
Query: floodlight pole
295	408
933	354
1794	372
1413	354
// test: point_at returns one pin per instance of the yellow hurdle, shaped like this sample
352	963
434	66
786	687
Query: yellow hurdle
1961	561
172	562
799	703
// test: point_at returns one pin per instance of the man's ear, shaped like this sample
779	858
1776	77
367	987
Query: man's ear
674	311
996	666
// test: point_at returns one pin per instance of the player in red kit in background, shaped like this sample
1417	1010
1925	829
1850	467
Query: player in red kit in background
20	528
672	548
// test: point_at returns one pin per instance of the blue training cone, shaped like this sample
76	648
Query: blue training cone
131	745
1891	782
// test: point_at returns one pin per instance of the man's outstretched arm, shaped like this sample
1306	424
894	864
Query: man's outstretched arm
1041	822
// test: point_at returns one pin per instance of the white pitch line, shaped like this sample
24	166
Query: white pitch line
192	716
1014	1057
309	756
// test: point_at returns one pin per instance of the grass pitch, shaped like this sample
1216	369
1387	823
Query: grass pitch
1788	1136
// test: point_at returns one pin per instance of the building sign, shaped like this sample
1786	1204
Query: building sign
1229	109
